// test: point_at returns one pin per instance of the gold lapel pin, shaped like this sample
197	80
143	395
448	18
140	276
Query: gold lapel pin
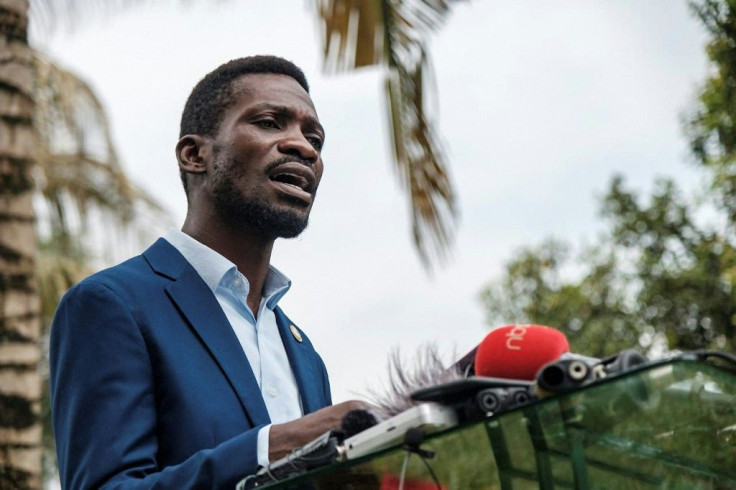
295	333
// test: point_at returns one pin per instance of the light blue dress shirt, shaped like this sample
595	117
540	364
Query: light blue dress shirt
259	336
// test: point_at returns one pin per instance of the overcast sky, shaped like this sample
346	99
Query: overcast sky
540	103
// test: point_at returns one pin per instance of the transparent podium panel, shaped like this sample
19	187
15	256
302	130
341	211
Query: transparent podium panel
669	425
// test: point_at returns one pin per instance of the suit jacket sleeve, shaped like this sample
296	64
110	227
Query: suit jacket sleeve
103	398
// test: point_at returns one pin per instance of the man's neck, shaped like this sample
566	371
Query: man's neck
250	253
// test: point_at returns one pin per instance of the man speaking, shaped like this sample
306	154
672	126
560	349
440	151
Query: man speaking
176	368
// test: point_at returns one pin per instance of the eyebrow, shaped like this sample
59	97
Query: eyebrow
287	111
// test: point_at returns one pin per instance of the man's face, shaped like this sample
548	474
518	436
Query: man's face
267	157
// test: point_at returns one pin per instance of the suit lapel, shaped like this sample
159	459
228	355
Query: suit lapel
301	364
204	314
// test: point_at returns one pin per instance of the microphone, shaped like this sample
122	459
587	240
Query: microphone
498	373
571	371
519	351
466	364
478	396
356	421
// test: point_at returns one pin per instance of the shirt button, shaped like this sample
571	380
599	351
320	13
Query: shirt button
273	391
237	282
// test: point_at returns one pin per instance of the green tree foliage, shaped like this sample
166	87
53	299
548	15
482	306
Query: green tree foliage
662	277
656	279
711	129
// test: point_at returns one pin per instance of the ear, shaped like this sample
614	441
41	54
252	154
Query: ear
193	152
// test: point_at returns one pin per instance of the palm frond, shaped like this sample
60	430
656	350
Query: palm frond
360	33
353	32
78	175
48	15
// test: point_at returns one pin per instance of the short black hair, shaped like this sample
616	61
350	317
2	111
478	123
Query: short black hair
215	93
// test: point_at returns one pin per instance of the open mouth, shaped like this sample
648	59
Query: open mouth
295	179
292	180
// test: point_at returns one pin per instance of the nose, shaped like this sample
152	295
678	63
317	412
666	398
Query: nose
294	143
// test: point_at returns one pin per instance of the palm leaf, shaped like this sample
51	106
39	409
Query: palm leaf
359	33
48	15
78	174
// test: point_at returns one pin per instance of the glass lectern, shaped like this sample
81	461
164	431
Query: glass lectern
667	424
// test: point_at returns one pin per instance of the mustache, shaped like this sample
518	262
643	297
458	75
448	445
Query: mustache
288	159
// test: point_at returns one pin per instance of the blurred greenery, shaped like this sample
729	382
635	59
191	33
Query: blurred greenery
661	277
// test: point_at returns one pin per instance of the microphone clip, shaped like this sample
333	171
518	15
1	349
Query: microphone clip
413	439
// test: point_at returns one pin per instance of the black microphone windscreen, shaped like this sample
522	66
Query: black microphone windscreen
356	421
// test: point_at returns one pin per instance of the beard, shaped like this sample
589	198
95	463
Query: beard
250	211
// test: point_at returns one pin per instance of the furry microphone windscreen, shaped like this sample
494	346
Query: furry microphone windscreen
427	370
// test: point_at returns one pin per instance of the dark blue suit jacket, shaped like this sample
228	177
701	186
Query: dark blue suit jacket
150	387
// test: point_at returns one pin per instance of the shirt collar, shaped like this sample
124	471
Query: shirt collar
213	267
